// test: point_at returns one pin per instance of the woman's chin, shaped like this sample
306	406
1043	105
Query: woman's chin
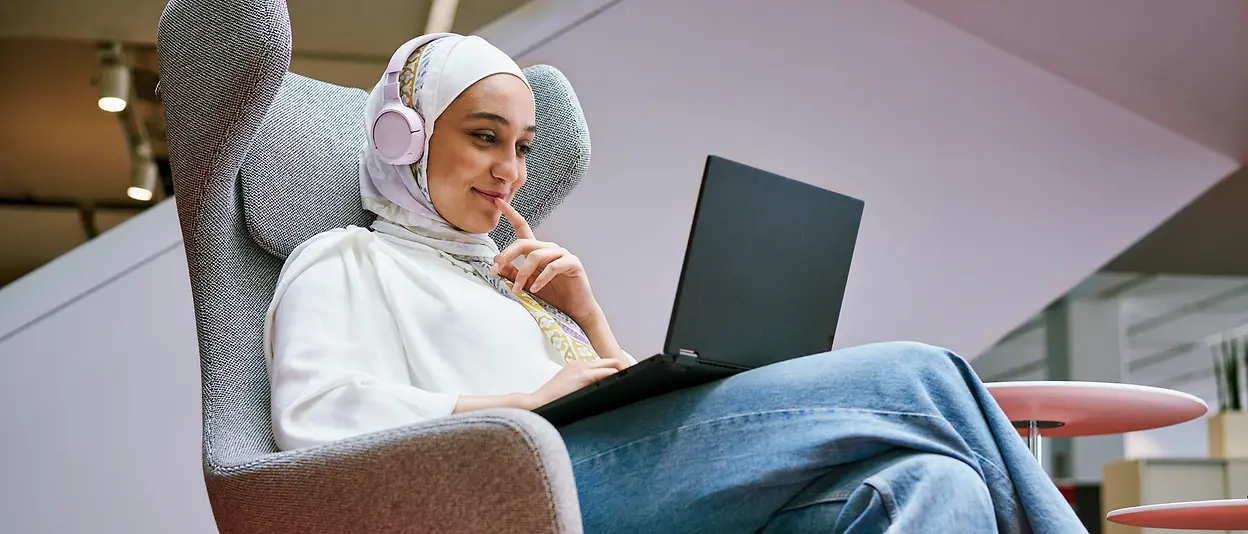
483	224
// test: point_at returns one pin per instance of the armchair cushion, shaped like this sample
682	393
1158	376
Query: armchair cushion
301	177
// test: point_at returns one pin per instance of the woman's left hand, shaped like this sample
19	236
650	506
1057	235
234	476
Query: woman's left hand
549	271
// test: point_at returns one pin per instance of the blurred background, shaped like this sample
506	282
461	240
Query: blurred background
1054	190
67	166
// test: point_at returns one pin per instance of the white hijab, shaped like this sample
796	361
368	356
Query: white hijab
433	76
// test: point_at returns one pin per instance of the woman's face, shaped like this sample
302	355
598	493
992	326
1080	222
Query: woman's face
477	151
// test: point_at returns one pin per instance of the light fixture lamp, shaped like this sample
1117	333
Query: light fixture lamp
114	82
144	174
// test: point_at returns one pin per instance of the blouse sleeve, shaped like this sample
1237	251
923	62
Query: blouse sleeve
336	363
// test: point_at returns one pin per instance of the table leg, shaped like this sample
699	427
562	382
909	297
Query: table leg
1034	437
1033	441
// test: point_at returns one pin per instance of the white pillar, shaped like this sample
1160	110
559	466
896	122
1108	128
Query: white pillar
1086	341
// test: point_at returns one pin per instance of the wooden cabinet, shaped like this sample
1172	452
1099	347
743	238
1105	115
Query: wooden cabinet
1228	435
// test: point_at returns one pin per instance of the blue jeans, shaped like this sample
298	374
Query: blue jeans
895	437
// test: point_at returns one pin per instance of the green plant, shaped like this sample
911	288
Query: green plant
1229	360
1219	376
1230	352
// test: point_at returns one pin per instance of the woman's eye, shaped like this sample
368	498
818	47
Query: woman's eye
524	149
488	138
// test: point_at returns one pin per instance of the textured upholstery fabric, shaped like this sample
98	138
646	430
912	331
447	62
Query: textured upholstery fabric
484	472
236	122
300	176
559	155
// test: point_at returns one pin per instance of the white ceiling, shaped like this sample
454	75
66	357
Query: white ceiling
1181	64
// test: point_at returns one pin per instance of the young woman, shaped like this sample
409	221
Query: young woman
422	316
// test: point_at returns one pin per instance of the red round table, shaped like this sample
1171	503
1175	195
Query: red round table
1065	409
1228	514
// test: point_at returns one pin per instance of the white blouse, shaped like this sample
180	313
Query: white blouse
368	332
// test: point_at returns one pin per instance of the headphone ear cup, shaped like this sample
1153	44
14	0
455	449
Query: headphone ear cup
398	135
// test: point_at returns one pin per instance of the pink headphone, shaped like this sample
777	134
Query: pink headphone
397	132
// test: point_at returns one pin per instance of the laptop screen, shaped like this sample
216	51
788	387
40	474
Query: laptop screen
766	267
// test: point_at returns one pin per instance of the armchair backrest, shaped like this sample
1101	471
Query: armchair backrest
263	159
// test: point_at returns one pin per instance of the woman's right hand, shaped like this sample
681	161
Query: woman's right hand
575	375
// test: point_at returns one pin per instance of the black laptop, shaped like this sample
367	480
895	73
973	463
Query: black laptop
763	281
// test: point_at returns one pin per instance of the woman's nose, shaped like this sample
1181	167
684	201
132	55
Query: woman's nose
508	169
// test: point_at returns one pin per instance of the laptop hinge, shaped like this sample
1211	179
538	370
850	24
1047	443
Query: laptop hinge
687	361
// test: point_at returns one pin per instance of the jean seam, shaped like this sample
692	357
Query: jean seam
996	467
844	495
839	496
733	418
885	492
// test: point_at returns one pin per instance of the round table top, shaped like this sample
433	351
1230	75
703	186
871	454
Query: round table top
1094	408
1226	514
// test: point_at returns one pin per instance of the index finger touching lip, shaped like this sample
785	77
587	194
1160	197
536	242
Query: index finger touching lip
517	221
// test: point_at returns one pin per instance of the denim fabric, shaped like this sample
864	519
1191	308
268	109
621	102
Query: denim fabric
894	437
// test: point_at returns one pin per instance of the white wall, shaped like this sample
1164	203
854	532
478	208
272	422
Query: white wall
991	186
99	379
1187	440
1019	357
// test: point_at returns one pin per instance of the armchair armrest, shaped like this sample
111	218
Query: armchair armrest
504	470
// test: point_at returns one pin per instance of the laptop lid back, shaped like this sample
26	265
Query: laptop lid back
766	267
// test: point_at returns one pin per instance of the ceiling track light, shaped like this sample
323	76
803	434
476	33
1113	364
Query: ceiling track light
144	174
114	81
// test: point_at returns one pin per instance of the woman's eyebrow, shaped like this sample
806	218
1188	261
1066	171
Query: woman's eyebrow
497	118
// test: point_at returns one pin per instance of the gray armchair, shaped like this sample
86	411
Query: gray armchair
263	159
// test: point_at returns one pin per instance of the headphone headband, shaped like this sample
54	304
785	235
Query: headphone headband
400	58
396	132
